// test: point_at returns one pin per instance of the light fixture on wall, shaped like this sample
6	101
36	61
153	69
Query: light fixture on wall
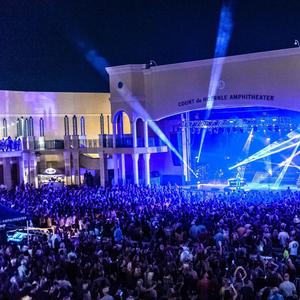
152	63
50	171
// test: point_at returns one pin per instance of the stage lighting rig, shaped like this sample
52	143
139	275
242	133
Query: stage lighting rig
239	124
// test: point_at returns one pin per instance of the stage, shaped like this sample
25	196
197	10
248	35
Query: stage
221	187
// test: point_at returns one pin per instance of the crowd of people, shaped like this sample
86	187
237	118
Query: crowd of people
159	242
9	144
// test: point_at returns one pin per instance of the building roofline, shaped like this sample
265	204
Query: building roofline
204	62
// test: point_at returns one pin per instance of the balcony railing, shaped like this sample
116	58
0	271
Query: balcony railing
93	143
155	142
126	141
48	144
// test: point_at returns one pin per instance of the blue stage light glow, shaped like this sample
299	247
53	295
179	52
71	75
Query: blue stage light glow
223	38
271	149
93	57
140	111
286	166
100	63
246	147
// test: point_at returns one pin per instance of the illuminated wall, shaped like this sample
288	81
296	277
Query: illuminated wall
53	107
264	79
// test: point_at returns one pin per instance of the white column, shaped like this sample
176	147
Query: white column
146	157
102	169
123	168
26	167
188	147
68	170
184	147
135	164
101	140
146	141
114	125
33	169
21	170
41	141
7	173
134	134
30	143
116	169
75	141
76	168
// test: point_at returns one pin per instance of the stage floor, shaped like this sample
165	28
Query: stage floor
213	186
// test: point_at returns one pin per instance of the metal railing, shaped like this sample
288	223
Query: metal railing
48	144
126	141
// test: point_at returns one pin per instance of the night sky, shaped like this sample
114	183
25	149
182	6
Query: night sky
47	45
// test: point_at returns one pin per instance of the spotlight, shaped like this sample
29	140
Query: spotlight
296	43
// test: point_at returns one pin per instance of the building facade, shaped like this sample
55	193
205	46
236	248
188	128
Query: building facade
38	121
128	136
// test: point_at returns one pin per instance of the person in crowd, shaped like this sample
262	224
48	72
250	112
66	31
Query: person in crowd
158	242
287	288
9	144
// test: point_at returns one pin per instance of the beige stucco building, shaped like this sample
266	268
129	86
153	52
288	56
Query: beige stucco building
136	117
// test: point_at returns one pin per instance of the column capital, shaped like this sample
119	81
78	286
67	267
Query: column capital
146	156
135	156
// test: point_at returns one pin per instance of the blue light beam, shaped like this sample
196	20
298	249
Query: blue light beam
271	149
140	111
223	38
286	166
